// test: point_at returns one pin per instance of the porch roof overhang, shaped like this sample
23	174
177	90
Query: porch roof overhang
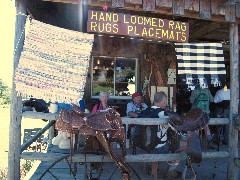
208	20
217	10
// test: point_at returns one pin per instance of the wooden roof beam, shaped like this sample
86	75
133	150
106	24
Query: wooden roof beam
64	1
230	2
234	1
205	29
165	8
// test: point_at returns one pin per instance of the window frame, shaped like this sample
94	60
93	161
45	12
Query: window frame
114	78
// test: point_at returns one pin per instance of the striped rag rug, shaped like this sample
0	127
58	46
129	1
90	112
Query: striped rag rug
54	63
201	61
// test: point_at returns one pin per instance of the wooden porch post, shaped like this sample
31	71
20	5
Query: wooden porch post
16	101
83	15
234	101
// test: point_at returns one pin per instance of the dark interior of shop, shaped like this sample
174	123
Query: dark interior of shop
200	31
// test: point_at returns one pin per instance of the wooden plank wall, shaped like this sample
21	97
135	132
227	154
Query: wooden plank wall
112	47
178	7
238	10
117	3
205	9
164	3
230	13
215	10
155	66
154	58
149	5
192	5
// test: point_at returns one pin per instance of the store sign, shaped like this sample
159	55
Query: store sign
137	26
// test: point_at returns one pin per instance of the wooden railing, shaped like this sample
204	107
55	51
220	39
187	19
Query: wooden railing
129	158
141	158
143	121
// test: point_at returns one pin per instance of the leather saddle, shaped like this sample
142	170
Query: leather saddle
86	124
188	125
194	120
106	127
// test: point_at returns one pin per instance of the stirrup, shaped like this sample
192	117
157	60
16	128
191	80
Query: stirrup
173	162
185	172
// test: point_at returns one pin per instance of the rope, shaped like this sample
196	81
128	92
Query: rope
21	14
23	30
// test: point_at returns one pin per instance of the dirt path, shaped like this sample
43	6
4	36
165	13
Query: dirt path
4	132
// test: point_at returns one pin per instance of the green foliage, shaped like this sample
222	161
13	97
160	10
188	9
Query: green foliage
124	73
3	173
27	165
97	89
5	94
108	83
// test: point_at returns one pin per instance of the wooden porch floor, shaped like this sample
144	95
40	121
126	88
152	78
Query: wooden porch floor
207	169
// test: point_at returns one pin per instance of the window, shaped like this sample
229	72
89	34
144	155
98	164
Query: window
115	75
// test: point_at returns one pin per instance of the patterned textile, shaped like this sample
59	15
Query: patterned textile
202	61
54	63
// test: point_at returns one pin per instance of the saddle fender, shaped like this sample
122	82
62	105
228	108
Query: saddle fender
190	123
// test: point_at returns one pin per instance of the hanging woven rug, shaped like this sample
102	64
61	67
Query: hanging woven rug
54	63
201	61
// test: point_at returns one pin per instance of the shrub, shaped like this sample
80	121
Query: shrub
26	166
5	94
3	173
